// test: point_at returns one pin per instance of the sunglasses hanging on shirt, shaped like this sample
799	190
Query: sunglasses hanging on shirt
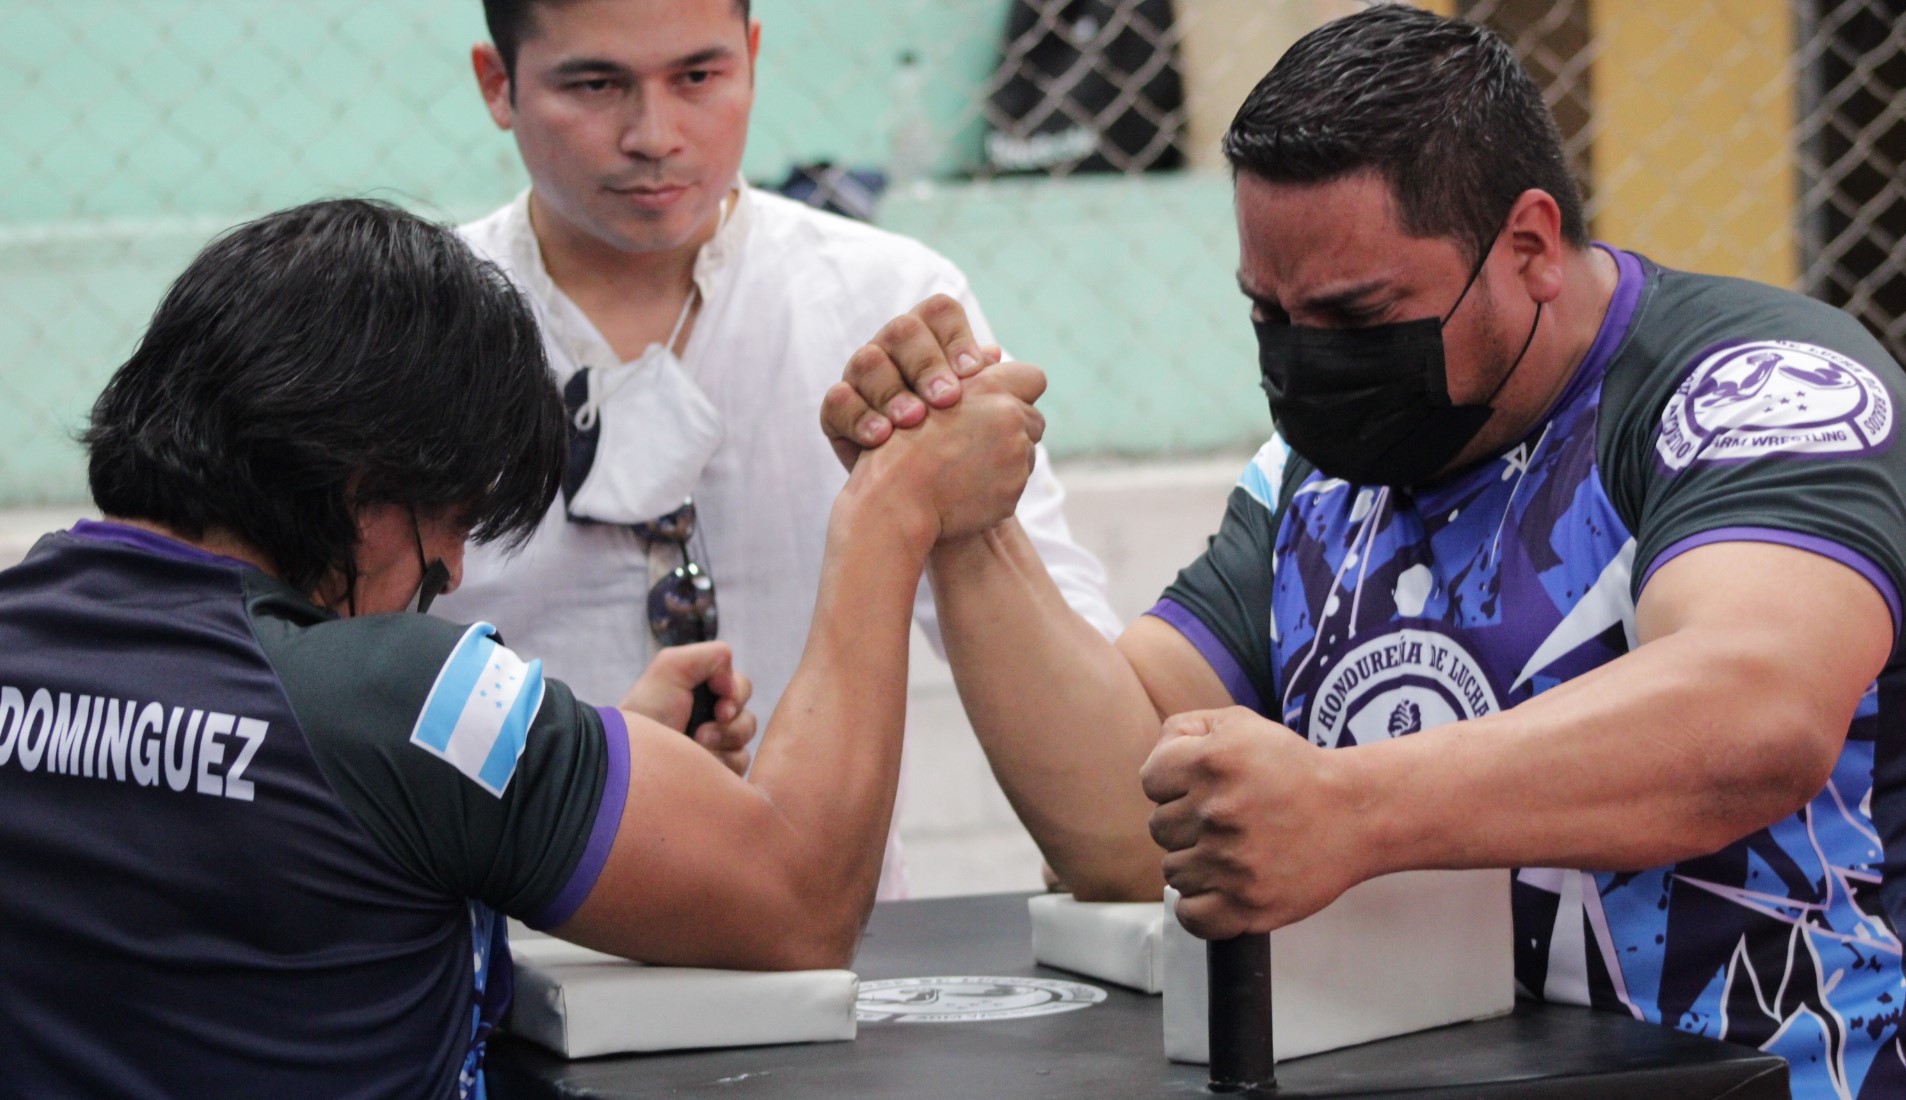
681	605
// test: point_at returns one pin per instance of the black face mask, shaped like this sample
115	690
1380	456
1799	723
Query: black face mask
1371	405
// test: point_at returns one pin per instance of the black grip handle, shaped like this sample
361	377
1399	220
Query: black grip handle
704	709
1240	974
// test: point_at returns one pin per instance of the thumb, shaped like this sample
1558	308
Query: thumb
847	452
1191	723
1168	772
689	666
1021	380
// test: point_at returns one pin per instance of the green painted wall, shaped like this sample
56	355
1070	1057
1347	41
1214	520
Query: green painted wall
137	128
1125	290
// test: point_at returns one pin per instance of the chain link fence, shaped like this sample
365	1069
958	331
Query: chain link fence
1064	152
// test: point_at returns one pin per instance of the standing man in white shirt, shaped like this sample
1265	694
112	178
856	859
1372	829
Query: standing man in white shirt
694	325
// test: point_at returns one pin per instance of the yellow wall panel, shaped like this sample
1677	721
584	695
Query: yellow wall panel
1228	46
1693	124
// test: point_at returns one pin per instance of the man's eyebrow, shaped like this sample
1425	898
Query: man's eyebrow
1339	299
588	66
602	66
1244	288
703	57
1334	301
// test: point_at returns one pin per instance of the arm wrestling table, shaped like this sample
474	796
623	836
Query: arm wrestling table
1114	1049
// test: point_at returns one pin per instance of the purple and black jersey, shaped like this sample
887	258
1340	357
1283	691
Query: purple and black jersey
1707	410
250	849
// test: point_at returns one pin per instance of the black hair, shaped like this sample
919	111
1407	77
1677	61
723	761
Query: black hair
511	22
1440	108
333	355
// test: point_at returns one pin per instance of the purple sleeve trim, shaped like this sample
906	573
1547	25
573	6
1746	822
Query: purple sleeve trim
1826	548
615	795
1212	650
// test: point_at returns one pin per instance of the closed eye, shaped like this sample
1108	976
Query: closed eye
1359	318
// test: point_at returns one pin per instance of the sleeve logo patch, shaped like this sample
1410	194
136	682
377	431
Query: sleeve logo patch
479	711
1774	397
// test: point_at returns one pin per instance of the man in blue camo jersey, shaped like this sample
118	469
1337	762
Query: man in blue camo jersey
1575	564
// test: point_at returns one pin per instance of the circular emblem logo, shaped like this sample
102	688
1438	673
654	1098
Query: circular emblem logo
1397	683
1773	397
957	999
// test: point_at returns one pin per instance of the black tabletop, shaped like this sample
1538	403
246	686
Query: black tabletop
1115	1049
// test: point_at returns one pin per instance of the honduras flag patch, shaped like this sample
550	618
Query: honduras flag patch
479	711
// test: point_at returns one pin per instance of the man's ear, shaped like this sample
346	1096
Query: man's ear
1534	229
493	80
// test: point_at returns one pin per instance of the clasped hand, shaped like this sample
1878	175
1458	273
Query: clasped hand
1256	822
971	458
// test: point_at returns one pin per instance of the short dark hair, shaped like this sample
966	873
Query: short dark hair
1440	108
336	354
513	21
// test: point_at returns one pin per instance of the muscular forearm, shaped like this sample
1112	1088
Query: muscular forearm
1064	720
832	763
1673	751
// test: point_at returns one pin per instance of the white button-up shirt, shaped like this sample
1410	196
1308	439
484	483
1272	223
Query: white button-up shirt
788	294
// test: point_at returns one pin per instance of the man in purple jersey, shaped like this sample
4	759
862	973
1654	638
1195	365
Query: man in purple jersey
262	829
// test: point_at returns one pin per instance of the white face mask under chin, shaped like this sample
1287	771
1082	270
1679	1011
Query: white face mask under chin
644	431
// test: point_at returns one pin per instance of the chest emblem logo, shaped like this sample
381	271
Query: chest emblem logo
1774	397
1396	684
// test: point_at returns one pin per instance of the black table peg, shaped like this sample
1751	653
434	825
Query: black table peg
1240	1015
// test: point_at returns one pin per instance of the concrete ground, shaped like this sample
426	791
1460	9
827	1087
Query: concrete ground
1144	521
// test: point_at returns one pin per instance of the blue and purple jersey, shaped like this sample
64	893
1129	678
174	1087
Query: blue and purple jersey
250	849
1707	410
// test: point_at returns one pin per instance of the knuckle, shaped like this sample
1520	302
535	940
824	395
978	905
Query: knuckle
940	307
1260	896
903	329
865	363
1206	761
1217	816
1222	753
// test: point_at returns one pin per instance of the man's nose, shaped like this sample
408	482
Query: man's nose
652	130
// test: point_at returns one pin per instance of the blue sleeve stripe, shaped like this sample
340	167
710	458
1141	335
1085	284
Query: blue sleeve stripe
1264	477
500	765
1255	483
455	684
